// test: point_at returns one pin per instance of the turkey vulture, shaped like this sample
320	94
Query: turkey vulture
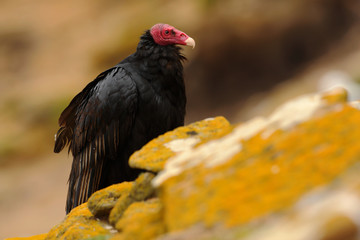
121	110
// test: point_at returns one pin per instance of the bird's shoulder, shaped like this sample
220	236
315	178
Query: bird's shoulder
112	95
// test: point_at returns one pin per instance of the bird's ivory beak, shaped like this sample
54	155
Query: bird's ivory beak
190	42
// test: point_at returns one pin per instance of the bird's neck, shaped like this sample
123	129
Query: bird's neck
161	65
149	50
159	60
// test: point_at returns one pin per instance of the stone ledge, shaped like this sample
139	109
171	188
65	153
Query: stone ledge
292	175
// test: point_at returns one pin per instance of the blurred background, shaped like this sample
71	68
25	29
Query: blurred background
250	56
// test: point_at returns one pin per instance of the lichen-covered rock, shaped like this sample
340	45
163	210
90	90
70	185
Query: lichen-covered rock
79	224
101	202
263	166
141	190
329	212
153	155
137	216
292	175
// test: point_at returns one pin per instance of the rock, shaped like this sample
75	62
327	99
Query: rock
291	175
79	224
139	214
263	166
141	190
152	156
101	202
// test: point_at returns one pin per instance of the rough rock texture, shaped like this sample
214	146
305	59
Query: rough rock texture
291	175
153	155
269	163
142	220
141	190
101	202
79	224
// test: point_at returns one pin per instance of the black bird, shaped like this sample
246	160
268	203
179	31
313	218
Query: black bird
121	110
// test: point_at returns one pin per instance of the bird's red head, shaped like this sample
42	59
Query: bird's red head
164	34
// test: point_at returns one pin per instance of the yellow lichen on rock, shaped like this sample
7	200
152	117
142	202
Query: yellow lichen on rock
267	174
335	95
153	155
79	224
102	201
229	188
140	190
142	221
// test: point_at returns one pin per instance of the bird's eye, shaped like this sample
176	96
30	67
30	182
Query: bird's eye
166	32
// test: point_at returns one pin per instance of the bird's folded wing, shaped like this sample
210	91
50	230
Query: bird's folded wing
103	120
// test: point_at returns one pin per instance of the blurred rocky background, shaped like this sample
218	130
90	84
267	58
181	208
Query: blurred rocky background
250	56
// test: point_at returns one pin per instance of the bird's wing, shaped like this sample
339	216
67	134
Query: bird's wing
103	120
67	118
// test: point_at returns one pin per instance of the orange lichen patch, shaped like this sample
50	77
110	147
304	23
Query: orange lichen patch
142	220
336	95
79	224
36	237
140	190
267	175
153	155
101	202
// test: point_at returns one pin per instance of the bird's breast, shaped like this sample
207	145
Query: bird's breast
161	104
